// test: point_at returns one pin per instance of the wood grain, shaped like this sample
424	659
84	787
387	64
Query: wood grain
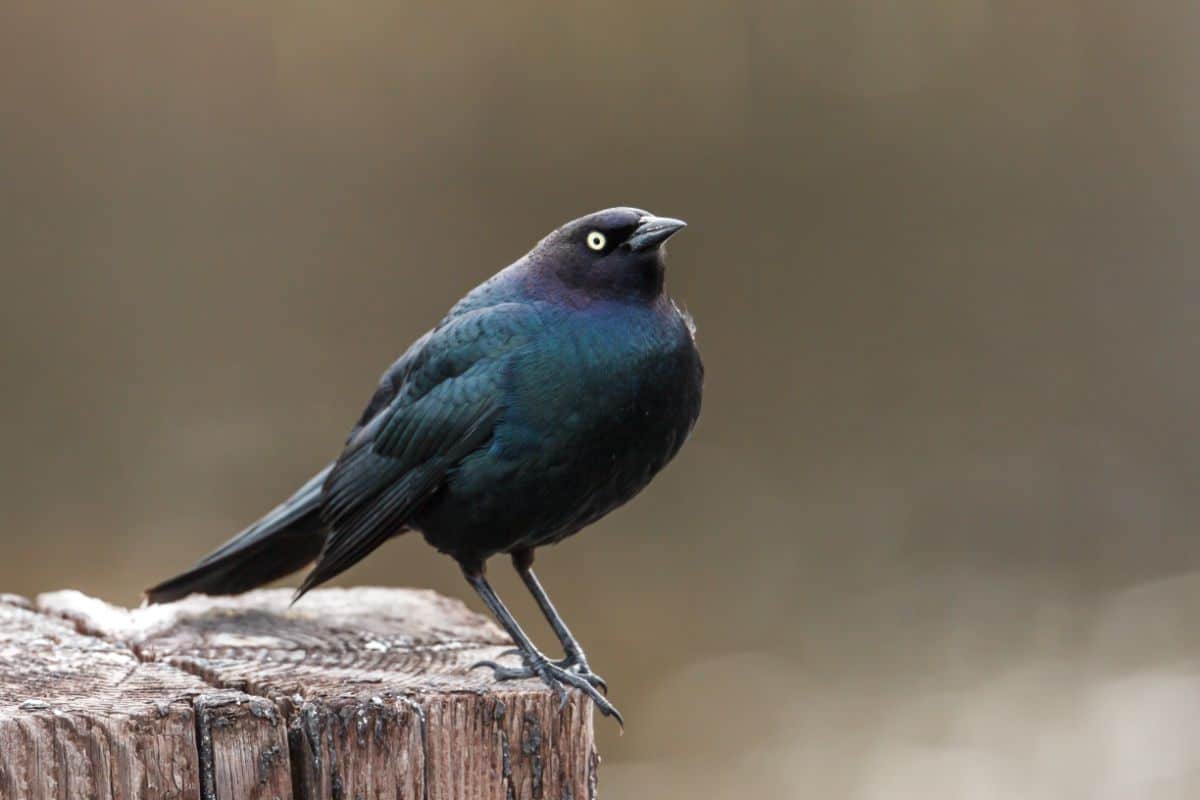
243	748
363	693
83	718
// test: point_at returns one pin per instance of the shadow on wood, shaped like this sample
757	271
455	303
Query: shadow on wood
359	693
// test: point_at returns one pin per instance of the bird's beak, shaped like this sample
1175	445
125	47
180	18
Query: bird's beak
653	231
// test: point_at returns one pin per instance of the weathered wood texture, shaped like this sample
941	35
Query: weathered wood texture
362	694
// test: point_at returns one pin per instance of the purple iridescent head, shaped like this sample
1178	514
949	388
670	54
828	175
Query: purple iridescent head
615	253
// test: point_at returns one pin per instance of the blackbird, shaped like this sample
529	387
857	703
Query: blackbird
548	396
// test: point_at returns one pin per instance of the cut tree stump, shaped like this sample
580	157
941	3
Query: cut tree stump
352	694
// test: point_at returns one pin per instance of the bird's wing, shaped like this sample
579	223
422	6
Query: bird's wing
445	405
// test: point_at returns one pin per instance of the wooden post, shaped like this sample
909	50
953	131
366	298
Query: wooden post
352	694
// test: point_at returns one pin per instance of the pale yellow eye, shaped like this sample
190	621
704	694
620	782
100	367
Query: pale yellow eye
596	240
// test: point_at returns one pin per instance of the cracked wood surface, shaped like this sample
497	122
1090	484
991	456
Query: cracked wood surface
351	693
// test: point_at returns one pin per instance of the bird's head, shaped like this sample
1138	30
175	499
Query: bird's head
615	253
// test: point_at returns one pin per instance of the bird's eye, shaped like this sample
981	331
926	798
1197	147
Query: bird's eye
596	240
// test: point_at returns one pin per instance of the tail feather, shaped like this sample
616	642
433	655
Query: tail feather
288	538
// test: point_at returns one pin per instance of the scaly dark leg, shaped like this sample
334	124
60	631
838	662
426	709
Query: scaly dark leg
536	664
575	659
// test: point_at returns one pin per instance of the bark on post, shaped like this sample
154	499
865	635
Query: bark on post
359	693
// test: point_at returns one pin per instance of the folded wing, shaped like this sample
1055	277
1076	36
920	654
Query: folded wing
448	396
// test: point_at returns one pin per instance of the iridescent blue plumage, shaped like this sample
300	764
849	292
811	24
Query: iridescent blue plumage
545	398
593	406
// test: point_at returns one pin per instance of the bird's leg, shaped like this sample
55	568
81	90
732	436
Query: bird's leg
536	664
575	659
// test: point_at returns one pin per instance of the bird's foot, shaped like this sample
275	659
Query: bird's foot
555	675
575	662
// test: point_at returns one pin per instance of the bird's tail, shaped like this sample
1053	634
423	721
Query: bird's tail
283	541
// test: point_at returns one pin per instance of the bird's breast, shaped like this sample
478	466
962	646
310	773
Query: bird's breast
605	401
593	408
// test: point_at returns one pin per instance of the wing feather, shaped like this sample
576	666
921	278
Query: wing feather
444	406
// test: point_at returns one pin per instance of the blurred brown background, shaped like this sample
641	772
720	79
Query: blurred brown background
935	535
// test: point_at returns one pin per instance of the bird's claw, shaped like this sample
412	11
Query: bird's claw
554	674
578	665
575	663
503	673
